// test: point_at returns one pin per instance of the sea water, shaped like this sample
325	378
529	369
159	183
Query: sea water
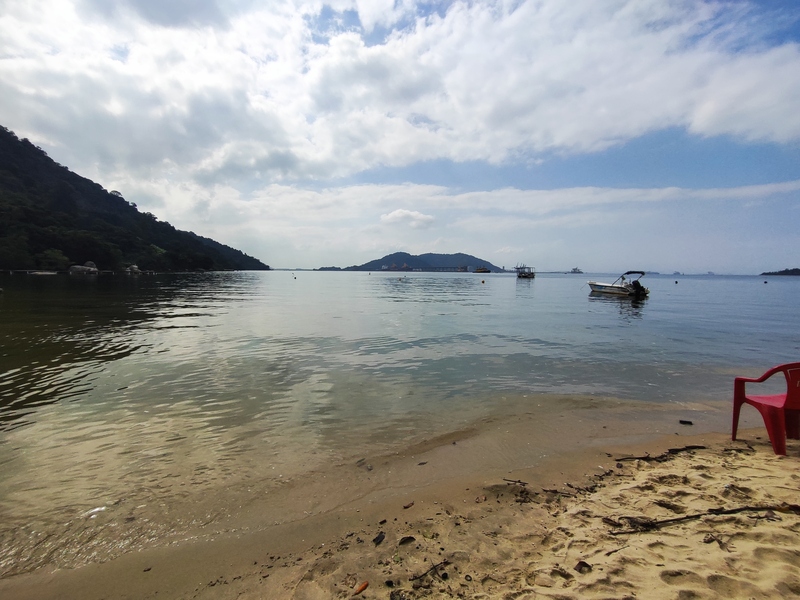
144	395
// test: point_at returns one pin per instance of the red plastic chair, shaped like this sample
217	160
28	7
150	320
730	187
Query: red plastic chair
781	412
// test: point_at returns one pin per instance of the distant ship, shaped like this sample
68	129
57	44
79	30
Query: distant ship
576	271
525	272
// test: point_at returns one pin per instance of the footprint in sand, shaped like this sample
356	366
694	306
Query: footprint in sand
731	490
671	506
788	589
670	480
673	577
771	555
728	587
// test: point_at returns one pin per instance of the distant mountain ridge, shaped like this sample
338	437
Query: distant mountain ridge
51	218
783	272
403	261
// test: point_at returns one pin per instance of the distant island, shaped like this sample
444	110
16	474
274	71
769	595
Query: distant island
403	261
52	219
784	272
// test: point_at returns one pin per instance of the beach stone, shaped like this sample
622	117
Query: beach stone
583	567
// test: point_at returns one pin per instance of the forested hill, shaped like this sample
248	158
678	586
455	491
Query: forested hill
403	261
794	271
51	218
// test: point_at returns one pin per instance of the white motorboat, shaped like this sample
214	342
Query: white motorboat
624	285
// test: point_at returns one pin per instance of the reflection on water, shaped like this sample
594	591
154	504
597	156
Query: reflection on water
629	307
432	289
133	409
58	333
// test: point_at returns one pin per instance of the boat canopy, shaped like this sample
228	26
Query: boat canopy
634	273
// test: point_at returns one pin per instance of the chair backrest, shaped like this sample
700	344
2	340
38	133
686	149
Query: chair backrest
792	372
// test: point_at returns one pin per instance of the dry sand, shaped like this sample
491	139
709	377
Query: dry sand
720	521
675	517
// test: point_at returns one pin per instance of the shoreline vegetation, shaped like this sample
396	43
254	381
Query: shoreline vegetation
52	218
634	508
783	272
430	262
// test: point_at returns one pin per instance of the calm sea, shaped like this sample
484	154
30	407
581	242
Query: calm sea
157	390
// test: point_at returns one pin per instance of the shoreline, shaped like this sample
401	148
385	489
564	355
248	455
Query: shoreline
461	507
187	495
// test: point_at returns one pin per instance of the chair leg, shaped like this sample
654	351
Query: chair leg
792	424
737	409
775	421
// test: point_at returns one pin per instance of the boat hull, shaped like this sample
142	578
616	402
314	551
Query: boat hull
607	288
621	286
611	289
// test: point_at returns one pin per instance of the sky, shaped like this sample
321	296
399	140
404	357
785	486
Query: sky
661	135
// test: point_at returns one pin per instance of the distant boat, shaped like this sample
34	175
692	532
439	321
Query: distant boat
483	270
524	272
576	271
622	286
86	269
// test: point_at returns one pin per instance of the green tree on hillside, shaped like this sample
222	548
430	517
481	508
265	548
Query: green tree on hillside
51	218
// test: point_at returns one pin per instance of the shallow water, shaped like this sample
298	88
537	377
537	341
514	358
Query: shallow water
130	406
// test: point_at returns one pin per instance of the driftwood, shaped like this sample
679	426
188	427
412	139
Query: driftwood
643	524
610	552
444	563
662	457
517	481
559	492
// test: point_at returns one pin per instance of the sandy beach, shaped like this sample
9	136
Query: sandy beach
677	514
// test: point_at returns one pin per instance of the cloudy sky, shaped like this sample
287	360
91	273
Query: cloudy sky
605	134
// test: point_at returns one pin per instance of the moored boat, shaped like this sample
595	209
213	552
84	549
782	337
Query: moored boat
624	285
525	272
86	269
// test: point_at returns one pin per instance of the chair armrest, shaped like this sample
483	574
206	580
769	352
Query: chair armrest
739	383
765	376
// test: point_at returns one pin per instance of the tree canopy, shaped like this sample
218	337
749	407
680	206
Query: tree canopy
51	218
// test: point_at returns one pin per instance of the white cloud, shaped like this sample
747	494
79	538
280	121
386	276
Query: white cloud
296	227
748	98
217	114
249	93
414	218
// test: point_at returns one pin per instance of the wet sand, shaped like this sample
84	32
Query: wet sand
587	504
